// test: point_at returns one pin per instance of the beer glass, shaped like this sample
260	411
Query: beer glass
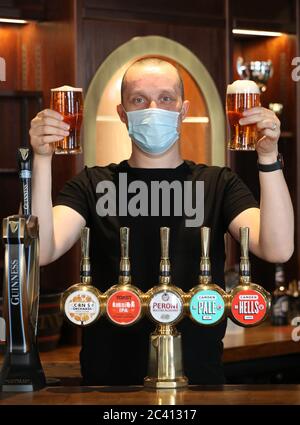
68	101
241	95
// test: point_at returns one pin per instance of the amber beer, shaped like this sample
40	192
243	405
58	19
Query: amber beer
241	95
68	101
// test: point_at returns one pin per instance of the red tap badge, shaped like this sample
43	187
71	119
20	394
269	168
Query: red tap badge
123	307
248	307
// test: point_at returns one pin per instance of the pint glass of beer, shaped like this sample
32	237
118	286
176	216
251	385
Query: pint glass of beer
241	95
68	101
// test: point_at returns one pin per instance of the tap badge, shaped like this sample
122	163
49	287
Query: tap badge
165	307
82	307
248	307
207	307
123	307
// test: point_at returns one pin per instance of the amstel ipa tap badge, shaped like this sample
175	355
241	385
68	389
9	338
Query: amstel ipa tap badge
165	307
124	307
82	307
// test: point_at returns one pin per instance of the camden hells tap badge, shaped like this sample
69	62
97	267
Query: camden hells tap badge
123	307
248	307
82	307
165	307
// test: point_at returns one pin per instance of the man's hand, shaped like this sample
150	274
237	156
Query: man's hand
268	126
46	128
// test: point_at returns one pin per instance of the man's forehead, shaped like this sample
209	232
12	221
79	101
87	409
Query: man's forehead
165	75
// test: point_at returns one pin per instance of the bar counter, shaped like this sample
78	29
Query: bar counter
253	343
193	395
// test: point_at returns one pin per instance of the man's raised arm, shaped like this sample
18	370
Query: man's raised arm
59	226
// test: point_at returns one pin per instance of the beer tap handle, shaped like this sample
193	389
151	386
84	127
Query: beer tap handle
124	276
244	241
25	171
85	242
205	241
124	240
164	240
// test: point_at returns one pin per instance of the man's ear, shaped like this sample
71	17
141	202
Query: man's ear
184	109
122	113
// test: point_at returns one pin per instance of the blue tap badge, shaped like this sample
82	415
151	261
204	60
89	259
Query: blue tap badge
207	307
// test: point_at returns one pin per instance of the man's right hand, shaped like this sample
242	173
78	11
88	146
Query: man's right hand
46	128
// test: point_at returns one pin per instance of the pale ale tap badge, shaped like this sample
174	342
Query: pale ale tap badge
207	301
22	370
165	304
241	95
82	302
249	303
124	301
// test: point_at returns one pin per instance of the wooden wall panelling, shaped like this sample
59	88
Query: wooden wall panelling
280	88
48	61
198	12
297	129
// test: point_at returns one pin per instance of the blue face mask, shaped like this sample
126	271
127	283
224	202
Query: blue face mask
153	130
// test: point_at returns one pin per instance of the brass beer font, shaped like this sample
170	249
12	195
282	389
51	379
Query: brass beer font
165	304
207	302
124	301
249	303
22	370
82	302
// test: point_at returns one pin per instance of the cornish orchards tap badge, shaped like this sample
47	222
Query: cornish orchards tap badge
207	307
82	307
123	307
165	306
248	307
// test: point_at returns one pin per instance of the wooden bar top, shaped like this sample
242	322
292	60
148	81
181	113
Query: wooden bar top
193	395
259	342
253	343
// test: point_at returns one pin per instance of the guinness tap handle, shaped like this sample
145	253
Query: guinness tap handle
205	240
124	240
244	241
25	162
85	242
164	240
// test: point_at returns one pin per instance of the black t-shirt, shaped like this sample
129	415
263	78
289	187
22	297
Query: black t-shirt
112	355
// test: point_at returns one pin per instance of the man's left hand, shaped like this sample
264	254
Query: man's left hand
268	126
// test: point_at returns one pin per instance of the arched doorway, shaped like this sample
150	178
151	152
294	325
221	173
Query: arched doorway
105	137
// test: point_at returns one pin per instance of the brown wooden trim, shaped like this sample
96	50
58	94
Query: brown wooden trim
8	171
21	94
265	25
93	13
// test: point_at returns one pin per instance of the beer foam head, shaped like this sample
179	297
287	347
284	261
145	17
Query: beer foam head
243	86
67	88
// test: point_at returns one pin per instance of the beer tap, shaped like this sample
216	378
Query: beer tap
22	370
207	301
124	301
82	302
166	308
249	303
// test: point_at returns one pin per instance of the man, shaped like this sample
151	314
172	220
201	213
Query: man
153	108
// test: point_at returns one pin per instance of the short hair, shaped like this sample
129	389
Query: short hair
151	61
